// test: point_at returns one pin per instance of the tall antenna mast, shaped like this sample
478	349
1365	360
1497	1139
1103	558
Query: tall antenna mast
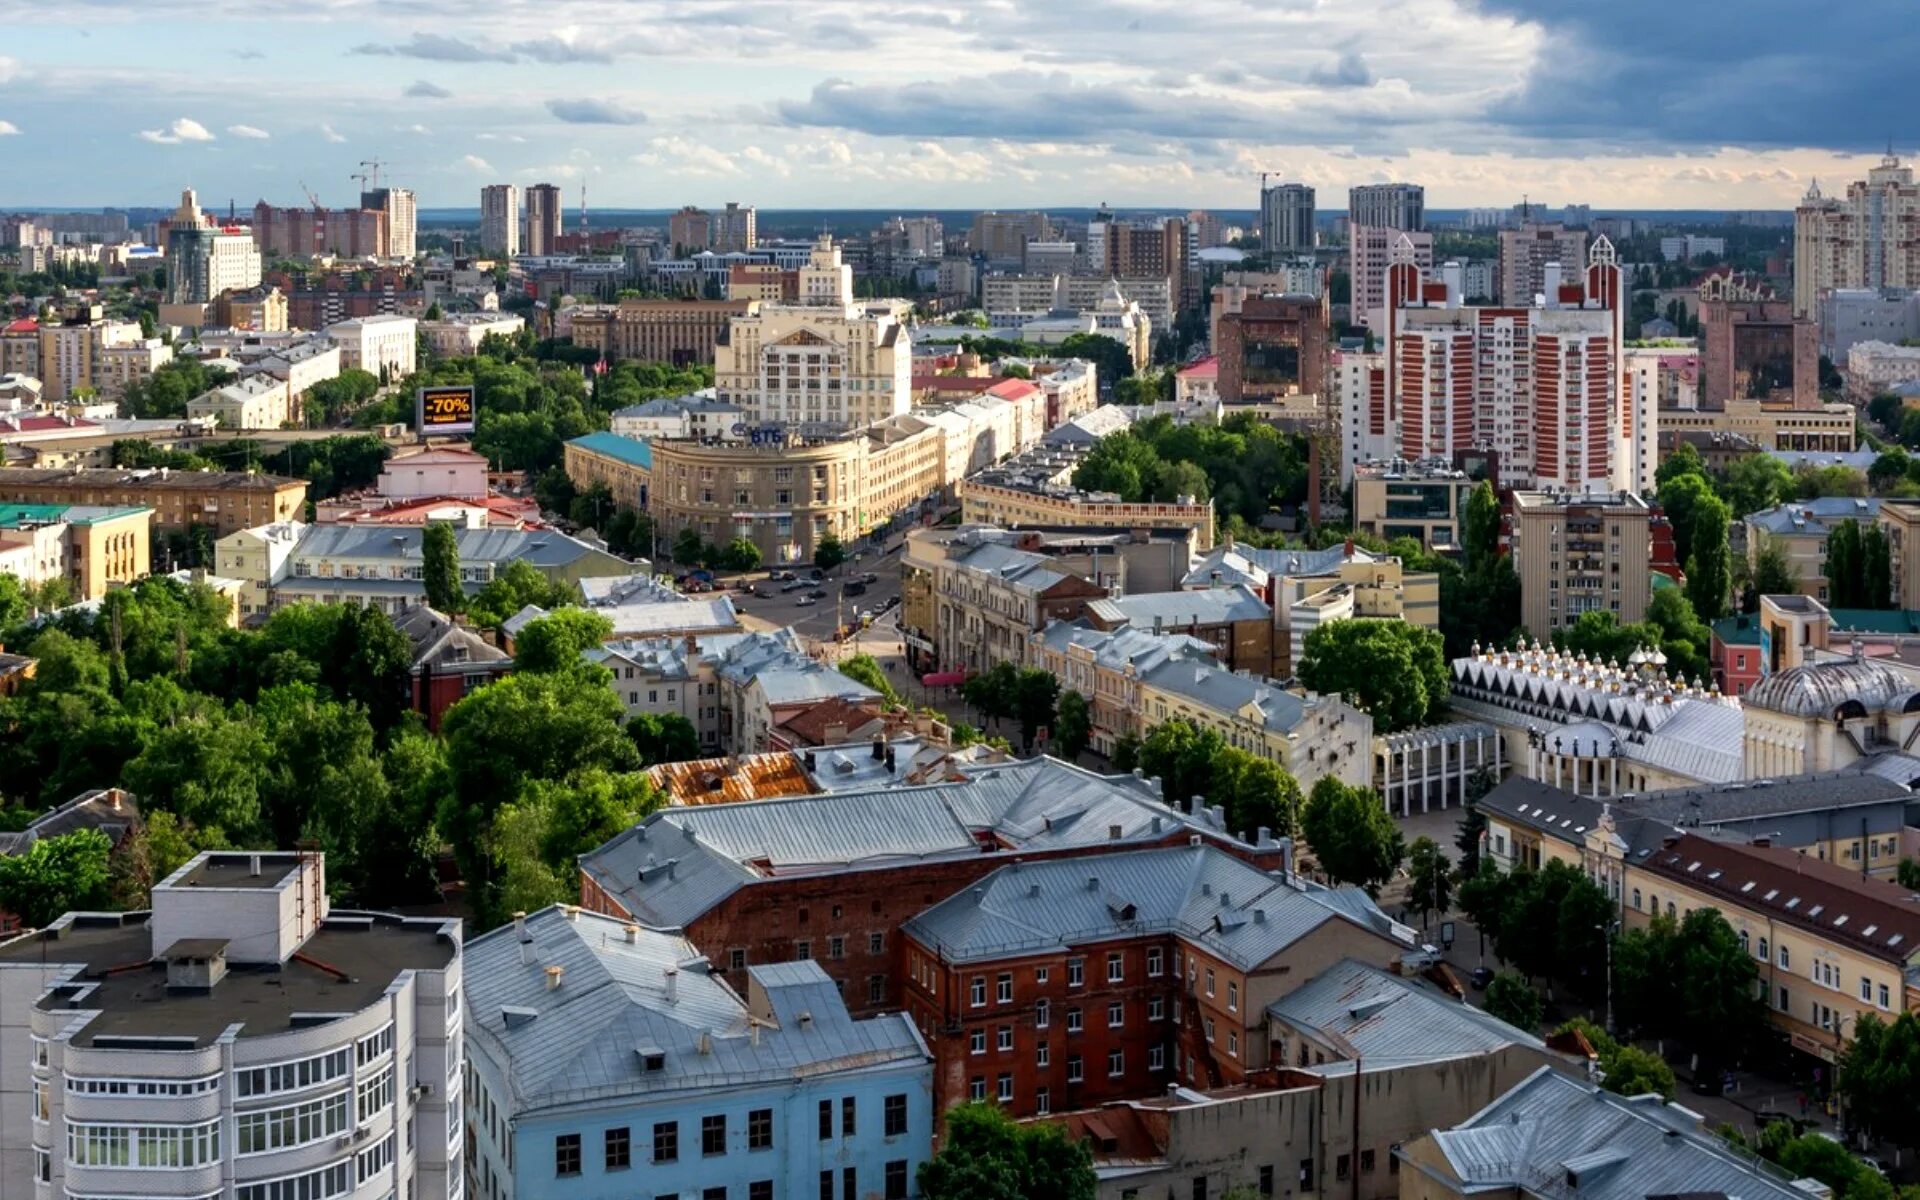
586	239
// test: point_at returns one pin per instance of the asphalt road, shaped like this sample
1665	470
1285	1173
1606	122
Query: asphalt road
816	621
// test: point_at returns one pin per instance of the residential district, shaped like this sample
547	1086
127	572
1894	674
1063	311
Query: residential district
1373	703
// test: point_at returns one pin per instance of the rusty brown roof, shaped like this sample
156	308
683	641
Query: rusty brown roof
733	778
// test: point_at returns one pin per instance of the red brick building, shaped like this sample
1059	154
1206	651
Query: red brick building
1274	346
449	661
833	877
1065	984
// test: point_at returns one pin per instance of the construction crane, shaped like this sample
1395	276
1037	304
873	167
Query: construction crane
311	197
372	166
360	177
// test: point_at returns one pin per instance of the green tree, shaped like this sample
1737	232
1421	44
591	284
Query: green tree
1034	694
986	1155
1352	837
57	875
1880	1076
1263	796
1773	572
689	549
663	738
440	568
1876	568
1845	566
513	589
555	643
1758	482
1811	1156
1681	499
1709	563
1513	1000
1480	527
1485	896
206	767
1907	874
1073	725
1111	359
864	668
1395	670
741	554
828	553
1685	460
1430	877
1625	1069
1183	757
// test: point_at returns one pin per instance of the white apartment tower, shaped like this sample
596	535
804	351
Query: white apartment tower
402	222
500	220
204	260
1868	239
239	1040
1401	206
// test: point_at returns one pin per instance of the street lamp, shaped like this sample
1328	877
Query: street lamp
1607	931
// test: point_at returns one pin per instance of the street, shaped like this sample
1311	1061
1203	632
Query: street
815	622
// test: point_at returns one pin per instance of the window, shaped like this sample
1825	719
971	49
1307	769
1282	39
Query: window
1209	1031
1116	1062
1761	953
619	1149
876	989
266	1129
1233	1043
1366	1162
370	1048
1116	967
1156	1058
1004	1039
896	1115
666	1142
1155	960
802	950
760	1129
1073	1020
1233	996
1343	1167
1785	958
1003	1088
372	1162
1266	1181
1040	976
1042	1014
836	947
374	1096
566	1154
1866	989
897	1180
977	1042
977	1088
1306	1174
1003	988
1043	1055
1209	981
849	1183
1156	1008
1116	1015
826	1119
1076	1070
1786	1001
1199	1188
977	992
1883	996
713	1134
876	943
1076	972
291	1076
760	1189
1043	1101
849	1108
826	1185
332	1180
713	1193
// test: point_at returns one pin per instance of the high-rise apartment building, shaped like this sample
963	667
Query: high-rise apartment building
1286	218
1369	251
1579	552
1868	239
238	1039
734	229
824	362
1154	249
320	232
1400	206
690	230
402	224
204	260
500	220
1003	237
541	216
1525	254
1536	388
80	352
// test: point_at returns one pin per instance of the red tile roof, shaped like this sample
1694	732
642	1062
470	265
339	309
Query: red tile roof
957	383
23	325
1013	389
1206	368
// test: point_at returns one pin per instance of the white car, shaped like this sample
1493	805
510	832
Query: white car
804	601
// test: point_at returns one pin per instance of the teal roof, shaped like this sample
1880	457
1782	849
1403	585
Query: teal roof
1741	629
613	445
1875	620
12	516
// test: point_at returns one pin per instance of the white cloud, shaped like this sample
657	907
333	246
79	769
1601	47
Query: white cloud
422	130
473	162
8	129
327	134
9	67
423	90
248	131
183	129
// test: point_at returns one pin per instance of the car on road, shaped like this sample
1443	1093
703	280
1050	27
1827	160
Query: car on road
793	586
889	603
854	587
778	576
1481	977
817	594
870	577
805	601
763	593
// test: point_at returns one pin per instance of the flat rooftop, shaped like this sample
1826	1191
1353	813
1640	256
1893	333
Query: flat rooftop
236	871
112	954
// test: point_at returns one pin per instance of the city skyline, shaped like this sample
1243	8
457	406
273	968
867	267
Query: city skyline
974	105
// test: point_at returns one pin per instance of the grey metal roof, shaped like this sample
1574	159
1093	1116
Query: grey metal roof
1019	569
1207	683
1239	563
1556	1136
584	1038
1237	911
536	547
1205	606
1817	689
1391	1020
680	862
1815	517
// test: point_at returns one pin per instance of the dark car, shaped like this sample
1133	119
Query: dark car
855	588
1481	977
817	594
794	586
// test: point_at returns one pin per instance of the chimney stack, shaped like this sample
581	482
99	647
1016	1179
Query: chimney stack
633	934
553	977
253	864
673	985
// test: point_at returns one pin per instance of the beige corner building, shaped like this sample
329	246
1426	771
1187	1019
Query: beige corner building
1580	553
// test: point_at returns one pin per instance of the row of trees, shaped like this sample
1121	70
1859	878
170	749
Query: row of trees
1700	520
1670	626
1244	465
332	465
1859	566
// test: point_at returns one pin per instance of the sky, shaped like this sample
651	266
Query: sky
955	104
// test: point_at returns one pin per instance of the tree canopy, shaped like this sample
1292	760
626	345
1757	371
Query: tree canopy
1394	670
986	1155
1351	836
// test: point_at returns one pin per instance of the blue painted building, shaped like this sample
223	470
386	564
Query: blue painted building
607	1061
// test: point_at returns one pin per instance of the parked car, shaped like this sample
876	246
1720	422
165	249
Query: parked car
793	585
854	588
817	594
777	576
805	601
870	577
1481	977
889	602
763	593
